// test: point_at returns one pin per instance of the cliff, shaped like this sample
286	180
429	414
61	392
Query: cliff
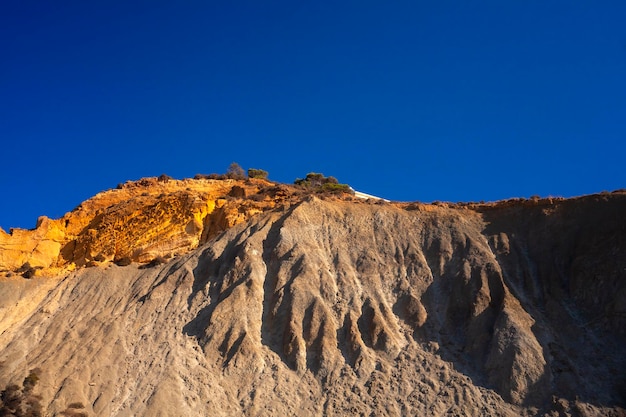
309	305
138	222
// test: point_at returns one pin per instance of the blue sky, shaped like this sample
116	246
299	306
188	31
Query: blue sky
408	100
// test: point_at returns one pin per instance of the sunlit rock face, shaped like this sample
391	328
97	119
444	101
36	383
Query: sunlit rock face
39	247
137	222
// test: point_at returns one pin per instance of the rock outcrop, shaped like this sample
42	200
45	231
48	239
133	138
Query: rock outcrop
138	222
330	306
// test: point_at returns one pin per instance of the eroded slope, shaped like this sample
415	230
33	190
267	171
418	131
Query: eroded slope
345	308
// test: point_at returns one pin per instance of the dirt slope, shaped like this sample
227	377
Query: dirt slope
346	308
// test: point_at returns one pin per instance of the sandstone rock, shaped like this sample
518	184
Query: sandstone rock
141	221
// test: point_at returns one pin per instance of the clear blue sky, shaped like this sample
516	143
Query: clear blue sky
408	100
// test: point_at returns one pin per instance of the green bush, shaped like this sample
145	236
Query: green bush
317	182
257	173
336	188
312	180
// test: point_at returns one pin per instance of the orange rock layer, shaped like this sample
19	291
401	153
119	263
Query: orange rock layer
138	222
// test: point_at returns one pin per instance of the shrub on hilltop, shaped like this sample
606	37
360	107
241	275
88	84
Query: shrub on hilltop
337	188
317	182
257	173
235	172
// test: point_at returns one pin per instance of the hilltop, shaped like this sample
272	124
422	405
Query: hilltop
248	297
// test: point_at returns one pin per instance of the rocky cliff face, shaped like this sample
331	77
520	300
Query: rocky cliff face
137	222
327	306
